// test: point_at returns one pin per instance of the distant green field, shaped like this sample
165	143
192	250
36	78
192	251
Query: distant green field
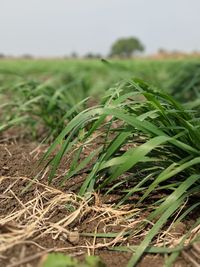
50	90
60	85
96	73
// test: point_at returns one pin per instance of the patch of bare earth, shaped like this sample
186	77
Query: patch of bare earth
36	218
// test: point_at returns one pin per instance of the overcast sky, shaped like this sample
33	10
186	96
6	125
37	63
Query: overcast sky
59	27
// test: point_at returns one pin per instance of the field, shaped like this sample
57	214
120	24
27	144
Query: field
102	159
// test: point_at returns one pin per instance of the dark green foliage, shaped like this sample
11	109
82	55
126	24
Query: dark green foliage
126	47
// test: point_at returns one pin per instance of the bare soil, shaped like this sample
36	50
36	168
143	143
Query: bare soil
39	218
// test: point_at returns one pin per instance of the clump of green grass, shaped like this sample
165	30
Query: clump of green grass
151	145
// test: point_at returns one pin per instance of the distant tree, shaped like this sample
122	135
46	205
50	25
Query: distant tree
126	47
162	51
2	55
74	55
98	55
91	56
27	56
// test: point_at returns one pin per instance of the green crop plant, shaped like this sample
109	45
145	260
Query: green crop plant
150	144
42	104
